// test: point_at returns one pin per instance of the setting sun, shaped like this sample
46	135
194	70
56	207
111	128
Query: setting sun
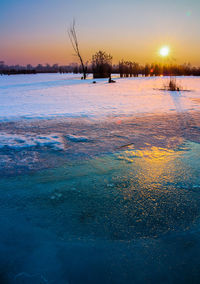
164	51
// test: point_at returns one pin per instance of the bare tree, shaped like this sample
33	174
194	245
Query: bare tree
75	45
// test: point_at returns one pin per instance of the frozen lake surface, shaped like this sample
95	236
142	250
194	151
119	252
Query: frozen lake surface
105	188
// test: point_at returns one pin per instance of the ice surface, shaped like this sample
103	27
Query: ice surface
51	95
129	217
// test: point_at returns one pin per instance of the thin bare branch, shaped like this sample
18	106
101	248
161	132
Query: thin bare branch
75	44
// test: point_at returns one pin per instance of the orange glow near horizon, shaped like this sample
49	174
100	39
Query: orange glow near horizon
63	54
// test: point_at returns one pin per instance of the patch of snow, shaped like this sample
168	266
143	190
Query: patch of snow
16	141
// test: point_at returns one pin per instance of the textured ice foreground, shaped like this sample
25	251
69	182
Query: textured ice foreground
50	95
128	217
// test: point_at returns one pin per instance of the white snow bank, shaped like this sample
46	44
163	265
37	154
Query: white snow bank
16	141
51	95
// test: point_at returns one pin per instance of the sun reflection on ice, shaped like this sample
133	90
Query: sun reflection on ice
156	165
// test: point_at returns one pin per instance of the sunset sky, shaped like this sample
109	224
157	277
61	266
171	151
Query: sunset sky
35	31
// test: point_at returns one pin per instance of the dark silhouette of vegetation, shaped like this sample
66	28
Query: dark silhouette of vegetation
29	69
75	45
124	69
101	65
128	69
172	85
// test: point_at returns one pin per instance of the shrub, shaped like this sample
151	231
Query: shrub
101	65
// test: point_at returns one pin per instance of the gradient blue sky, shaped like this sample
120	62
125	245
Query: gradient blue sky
35	31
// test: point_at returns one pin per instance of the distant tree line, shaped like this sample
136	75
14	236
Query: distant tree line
101	67
29	69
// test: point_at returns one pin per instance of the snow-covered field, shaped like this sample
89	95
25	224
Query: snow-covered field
52	95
